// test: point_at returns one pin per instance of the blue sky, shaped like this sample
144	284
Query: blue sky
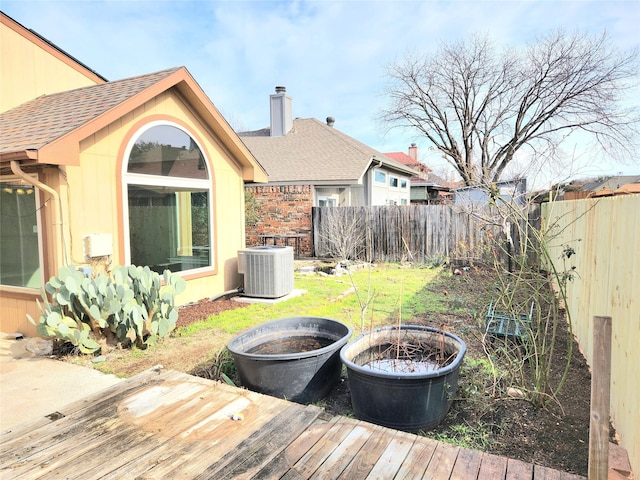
331	55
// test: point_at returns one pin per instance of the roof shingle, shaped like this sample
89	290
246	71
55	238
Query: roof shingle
42	120
313	152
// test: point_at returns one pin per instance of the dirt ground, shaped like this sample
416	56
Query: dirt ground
556	436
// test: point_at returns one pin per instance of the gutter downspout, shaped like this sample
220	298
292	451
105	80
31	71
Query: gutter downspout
57	211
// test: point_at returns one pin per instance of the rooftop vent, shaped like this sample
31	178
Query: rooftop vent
331	121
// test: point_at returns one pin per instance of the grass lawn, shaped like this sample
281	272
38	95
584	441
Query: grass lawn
393	290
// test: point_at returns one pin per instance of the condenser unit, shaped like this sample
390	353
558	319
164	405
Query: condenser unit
268	271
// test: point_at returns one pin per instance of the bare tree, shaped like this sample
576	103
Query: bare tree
342	233
480	106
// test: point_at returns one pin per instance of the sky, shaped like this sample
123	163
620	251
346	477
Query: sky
330	55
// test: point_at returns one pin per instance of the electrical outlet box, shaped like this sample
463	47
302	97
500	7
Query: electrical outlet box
98	245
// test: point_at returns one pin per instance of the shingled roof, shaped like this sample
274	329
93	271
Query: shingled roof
36	123
48	129
314	152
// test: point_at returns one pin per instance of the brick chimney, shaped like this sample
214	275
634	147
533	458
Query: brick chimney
281	112
413	152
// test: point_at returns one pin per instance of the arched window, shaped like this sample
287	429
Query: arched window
168	200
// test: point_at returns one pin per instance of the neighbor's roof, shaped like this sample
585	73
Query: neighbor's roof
609	183
48	129
404	159
315	152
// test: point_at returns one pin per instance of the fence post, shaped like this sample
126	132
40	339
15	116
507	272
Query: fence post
600	399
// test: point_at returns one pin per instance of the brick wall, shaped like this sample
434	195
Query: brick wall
282	209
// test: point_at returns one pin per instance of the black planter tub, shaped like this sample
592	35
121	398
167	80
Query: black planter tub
397	385
297	358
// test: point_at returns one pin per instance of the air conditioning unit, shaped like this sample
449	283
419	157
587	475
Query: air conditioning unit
268	271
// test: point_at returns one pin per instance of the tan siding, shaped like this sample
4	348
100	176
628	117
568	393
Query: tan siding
606	236
94	201
29	71
12	312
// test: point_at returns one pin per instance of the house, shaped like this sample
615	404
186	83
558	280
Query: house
142	171
309	164
509	191
426	187
602	187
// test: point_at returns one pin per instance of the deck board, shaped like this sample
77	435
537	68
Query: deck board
165	424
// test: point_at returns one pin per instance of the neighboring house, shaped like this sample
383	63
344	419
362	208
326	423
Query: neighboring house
602	187
310	163
426	187
139	171
508	191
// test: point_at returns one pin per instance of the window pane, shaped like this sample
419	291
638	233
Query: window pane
169	227
393	182
167	151
19	256
380	177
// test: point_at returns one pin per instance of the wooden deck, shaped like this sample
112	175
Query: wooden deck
165	424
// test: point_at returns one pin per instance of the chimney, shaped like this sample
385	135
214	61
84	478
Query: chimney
331	121
413	152
281	112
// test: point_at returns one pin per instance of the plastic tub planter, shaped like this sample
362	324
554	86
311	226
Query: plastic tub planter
297	358
403	378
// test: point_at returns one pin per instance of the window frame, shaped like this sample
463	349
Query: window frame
38	215
377	172
149	180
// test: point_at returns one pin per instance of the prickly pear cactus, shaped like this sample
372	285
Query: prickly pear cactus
132	304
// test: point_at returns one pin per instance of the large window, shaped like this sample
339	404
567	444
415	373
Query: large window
168	197
19	250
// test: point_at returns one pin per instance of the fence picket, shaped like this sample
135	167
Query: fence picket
412	232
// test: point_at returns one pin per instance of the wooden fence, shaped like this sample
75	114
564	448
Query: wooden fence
605	234
419	233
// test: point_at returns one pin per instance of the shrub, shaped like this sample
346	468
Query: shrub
132	304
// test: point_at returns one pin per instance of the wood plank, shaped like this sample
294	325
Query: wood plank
467	465
123	433
392	458
442	461
517	470
75	427
260	448
363	463
195	446
345	452
418	459
545	473
492	467
282	462
318	453
28	429
134	443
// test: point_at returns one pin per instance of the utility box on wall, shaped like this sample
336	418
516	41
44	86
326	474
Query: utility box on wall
98	245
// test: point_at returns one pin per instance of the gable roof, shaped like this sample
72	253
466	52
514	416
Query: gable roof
49	128
314	152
